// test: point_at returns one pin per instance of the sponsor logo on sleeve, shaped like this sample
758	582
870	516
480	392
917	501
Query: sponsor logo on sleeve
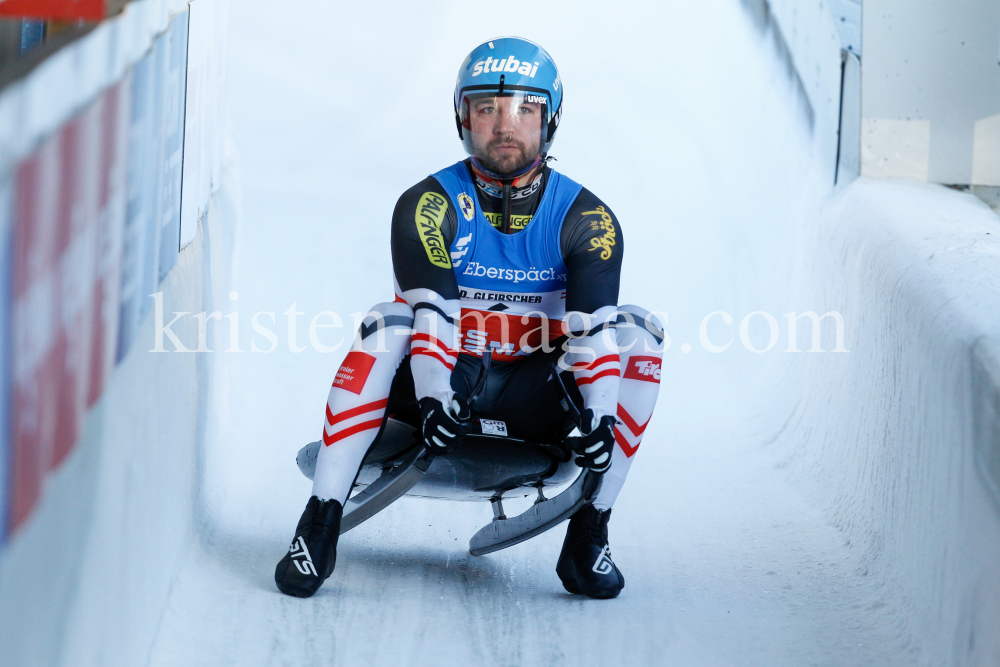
646	369
605	227
430	214
353	373
466	204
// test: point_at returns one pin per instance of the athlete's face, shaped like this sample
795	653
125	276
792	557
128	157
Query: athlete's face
506	132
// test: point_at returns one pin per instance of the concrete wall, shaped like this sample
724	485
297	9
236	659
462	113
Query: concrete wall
931	91
847	19
805	37
204	124
849	144
815	45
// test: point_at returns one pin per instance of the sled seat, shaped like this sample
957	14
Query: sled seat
484	467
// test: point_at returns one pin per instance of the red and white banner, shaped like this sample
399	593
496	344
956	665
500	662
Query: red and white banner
67	244
94	10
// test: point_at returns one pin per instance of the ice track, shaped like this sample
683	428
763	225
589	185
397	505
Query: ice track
725	565
681	118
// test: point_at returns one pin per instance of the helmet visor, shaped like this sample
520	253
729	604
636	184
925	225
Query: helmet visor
505	131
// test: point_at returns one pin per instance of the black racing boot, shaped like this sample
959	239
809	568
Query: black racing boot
585	566
313	553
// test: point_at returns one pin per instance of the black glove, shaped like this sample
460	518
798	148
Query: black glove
442	427
593	448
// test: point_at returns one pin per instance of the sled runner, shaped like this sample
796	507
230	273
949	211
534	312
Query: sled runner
483	467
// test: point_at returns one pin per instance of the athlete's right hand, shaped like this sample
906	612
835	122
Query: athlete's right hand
595	443
442	427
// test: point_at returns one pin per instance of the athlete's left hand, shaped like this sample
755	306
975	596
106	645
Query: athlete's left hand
443	427
593	448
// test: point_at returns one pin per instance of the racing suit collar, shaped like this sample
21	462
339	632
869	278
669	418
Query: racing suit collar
522	186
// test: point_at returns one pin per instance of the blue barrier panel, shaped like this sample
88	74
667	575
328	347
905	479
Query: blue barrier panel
140	250
6	231
173	45
152	223
133	239
155	161
32	34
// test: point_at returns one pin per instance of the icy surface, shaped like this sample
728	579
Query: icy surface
683	121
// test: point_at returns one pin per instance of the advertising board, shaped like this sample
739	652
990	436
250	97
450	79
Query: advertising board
92	227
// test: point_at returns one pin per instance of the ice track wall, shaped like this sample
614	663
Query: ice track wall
85	580
901	437
109	150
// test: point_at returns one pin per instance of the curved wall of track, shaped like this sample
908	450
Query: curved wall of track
109	155
900	438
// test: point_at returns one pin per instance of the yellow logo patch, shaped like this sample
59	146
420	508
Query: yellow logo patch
430	214
605	224
517	222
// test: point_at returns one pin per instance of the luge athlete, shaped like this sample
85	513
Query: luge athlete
502	267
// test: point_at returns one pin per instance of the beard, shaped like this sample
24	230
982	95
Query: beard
506	162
